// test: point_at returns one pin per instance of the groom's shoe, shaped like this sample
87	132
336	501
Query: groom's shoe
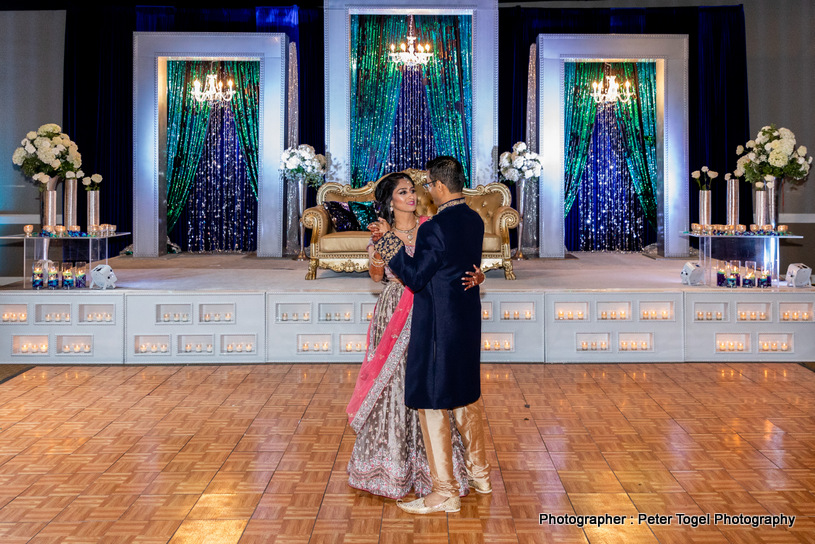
481	486
453	504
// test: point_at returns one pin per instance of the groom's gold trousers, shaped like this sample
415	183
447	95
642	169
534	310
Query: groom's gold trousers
439	445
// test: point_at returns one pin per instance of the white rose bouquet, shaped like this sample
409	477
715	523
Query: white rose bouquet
91	183
520	163
704	177
772	158
45	153
302	161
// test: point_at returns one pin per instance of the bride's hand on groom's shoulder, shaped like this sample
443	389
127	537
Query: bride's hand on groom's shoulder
378	228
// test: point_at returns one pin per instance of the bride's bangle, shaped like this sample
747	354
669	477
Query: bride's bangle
377	263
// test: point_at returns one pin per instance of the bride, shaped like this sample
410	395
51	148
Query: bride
389	457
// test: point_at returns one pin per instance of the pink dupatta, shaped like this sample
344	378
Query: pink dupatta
373	363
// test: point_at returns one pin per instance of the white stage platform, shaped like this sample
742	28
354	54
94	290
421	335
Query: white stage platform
241	309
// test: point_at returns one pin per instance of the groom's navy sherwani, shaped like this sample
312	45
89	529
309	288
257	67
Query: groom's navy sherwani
444	354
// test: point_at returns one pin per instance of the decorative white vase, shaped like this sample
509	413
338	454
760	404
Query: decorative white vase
704	207
93	209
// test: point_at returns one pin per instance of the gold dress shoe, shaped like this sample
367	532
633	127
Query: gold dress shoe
453	504
481	486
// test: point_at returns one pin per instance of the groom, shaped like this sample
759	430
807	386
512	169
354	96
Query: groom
444	354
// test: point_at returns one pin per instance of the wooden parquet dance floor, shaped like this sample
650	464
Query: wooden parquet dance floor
257	453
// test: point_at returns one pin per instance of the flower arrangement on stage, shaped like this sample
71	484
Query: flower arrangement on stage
519	164
772	158
704	177
91	183
301	162
47	153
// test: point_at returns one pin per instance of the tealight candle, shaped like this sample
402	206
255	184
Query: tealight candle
294	316
142	348
633	345
516	314
316	346
664	314
216	317
622	314
623	345
209	348
528	314
239	348
644	345
774	346
207	317
570	315
86	348
348	316
48	317
250	346
603	315
560	314
785	316
24	348
762	316
742	316
199	348
804	317
66	348
90	317
722	346
740	346
708	315
645	314
230	348
579	315
24	317
487	345
506	344
337	316
603	346
497	345
369	316
57	317
484	315
77	347
163	348
700	316
765	346
305	316
753	316
176	317
328	316
108	317
185	317
228	317
305	346
348	346
653	314
153	348
284	316
594	346
188	348
34	348
6	317
784	346
795	316
506	314
731	346
325	346
584	345
613	315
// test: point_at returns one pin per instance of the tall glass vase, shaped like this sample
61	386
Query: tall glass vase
93	209
520	202
733	201
760	208
49	202
772	202
301	208
704	207
69	217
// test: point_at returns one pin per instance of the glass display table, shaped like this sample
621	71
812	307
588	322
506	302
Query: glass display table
90	250
760	248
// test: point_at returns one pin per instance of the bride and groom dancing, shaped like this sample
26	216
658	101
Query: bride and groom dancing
415	406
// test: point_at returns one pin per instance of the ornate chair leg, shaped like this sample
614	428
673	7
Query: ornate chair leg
508	273
312	269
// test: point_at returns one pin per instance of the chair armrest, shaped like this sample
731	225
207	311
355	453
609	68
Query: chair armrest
316	218
505	218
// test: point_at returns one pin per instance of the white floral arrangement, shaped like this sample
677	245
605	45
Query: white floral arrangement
91	183
520	163
772	158
302	161
45	153
704	177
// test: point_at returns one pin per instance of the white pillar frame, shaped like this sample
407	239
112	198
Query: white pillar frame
484	144
151	50
670	52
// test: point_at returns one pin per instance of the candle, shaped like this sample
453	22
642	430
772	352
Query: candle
250	346
762	316
316	346
176	317
209	348
24	317
229	348
184	317
623	345
603	346
634	345
708	315
594	346
348	346
506	314
603	315
328	316
142	348
804	316
506	344
579	315
48	317
765	346
774	346
784	346
722	346
560	314
753	316
700	316
24	348
644	345
228	317
305	316
86	348
66	348
570	315
294	316
153	348
6	317
584	345
664	314
348	316
785	316
206	317
325	346
613	314
216	317
497	345
369	316
199	348
188	348
645	314
742	316
740	346
77	347
484	315
487	345
731	346
164	348
528	314
795	316
337	316
653	314
239	348
622	314
517	315
284	317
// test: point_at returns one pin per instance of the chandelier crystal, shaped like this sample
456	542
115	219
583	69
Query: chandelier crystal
612	92
411	54
213	91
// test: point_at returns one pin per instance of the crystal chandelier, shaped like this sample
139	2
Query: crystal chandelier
611	93
213	91
411	54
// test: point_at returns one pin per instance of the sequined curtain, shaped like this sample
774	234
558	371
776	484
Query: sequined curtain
245	107
637	122
579	115
375	87
449	90
412	139
529	239
292	214
187	123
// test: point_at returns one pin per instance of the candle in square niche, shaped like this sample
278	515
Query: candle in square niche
603	315
528	314
487	345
